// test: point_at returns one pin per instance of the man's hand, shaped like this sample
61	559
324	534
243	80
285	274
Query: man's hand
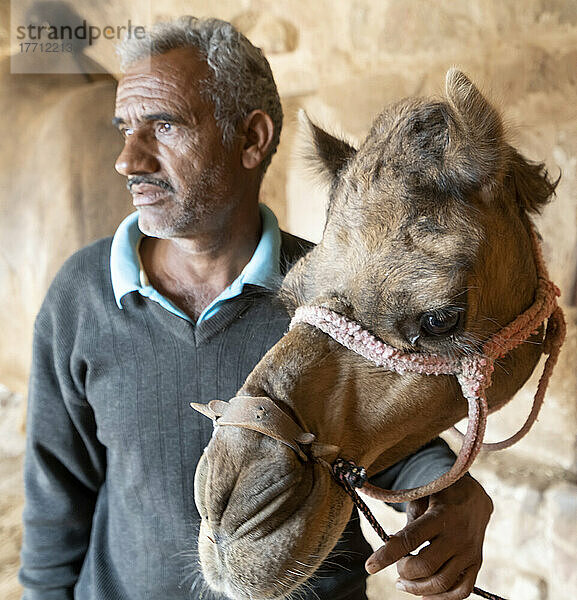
454	522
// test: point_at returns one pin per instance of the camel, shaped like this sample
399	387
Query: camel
428	253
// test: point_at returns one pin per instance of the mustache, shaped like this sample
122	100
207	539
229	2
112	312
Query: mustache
161	183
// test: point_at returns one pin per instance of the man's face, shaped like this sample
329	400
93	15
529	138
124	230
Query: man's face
182	179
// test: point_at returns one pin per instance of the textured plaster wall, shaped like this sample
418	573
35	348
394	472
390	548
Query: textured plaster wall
342	61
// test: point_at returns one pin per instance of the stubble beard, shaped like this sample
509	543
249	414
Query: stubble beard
203	209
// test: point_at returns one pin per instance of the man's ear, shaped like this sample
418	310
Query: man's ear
258	130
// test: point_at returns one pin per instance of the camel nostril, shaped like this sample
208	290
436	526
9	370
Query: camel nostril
215	536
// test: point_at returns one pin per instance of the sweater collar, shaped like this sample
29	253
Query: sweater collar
126	268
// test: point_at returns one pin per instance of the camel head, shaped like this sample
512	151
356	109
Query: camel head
427	245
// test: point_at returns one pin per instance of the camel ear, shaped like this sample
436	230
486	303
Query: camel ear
476	149
326	152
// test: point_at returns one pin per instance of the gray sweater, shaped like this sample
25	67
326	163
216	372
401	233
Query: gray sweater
112	442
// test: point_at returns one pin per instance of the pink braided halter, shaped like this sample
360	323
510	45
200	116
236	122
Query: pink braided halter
473	372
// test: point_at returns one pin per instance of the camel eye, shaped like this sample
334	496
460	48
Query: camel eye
441	321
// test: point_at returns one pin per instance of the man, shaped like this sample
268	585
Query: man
177	307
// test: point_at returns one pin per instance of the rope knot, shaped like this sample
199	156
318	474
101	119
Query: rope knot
348	471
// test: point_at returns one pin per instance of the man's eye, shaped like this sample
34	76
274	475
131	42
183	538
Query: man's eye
126	131
163	127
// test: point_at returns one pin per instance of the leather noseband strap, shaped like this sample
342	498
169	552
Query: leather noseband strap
261	414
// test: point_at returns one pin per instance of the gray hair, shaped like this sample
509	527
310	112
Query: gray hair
241	78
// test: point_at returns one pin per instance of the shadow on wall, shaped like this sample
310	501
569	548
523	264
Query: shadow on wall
58	187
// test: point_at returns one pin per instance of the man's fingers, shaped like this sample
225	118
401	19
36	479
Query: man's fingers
402	543
416	508
386	555
426	563
447	584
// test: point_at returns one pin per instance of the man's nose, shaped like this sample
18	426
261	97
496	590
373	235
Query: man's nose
136	157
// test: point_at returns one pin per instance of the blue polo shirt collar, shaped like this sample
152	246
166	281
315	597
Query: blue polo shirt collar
127	274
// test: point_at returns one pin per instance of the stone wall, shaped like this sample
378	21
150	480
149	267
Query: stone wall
342	60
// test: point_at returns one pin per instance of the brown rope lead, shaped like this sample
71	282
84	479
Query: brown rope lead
350	476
